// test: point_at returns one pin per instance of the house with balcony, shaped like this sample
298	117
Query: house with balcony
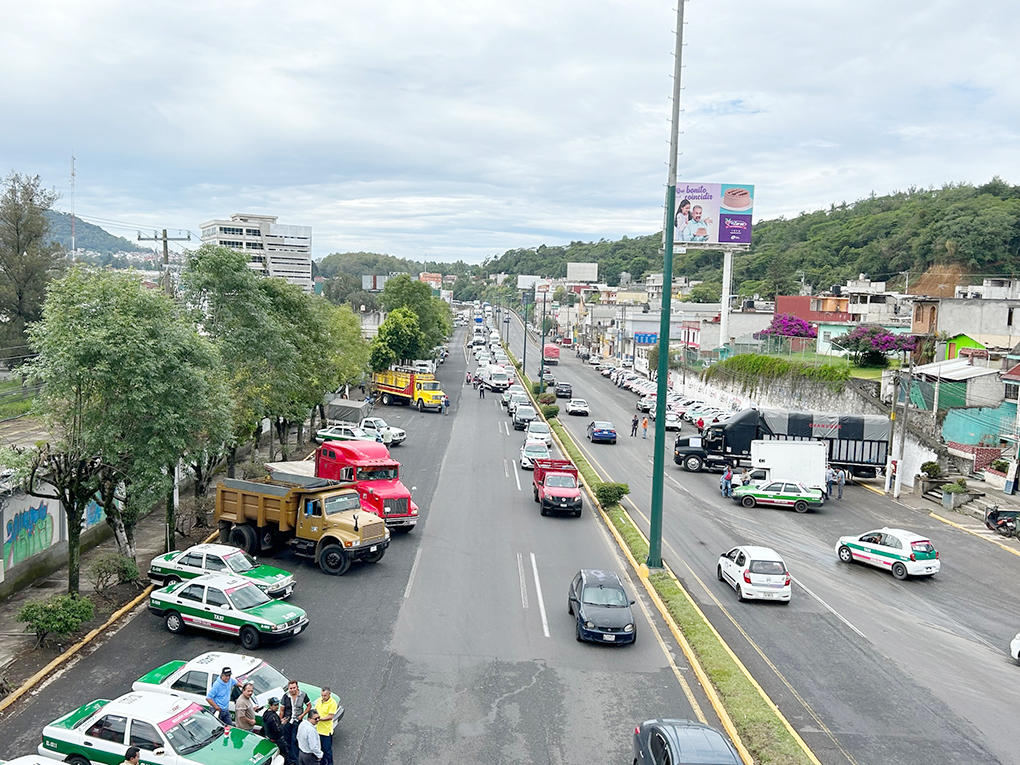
815	308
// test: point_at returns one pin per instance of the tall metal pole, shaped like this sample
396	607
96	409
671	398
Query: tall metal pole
541	346
659	463
903	431
524	329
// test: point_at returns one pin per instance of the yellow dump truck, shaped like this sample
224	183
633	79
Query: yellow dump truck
404	385
318	518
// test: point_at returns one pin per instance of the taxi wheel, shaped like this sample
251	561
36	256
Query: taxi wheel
174	622
249	638
845	554
171	580
334	560
800	506
374	557
747	502
740	594
899	571
718	573
76	759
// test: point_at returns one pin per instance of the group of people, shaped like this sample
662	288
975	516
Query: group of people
690	227
729	478
835	478
300	728
644	426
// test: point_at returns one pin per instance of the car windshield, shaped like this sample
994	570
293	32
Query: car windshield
359	433
247	596
767	567
579	402
561	482
341	502
191	730
600	595
603	426
536	450
240	562
430	386
538	427
377	473
264	678
525	411
499	377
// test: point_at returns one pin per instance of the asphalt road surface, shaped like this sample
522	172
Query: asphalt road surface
867	669
457	646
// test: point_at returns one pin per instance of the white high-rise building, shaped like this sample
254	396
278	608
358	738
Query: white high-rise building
274	250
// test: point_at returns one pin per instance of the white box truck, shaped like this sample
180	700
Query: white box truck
801	461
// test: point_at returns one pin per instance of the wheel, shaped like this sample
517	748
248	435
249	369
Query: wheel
718	573
174	622
613	441
800	506
536	494
543	510
748	502
334	560
245	538
577	513
421	405
740	594
171	580
76	759
577	632
845	554
249	638
387	399
692	463
570	607
899	571
374	557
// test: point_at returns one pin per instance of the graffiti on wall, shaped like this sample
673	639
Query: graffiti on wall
93	514
28	532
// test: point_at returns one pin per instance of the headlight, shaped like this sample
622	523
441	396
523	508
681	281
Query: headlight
629	628
590	625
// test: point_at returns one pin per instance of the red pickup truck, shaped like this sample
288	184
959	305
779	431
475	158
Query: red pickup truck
557	488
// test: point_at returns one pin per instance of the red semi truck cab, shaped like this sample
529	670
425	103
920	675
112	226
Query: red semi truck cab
556	487
376	475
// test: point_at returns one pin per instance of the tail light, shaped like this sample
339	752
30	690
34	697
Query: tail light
747	576
637	731
787	582
913	557
936	555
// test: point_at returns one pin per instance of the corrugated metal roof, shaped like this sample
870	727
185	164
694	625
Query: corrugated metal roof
954	369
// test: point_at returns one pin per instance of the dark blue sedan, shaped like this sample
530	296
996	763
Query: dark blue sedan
601	431
601	608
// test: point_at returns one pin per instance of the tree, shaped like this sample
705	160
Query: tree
787	325
704	293
400	338
434	318
871	344
28	260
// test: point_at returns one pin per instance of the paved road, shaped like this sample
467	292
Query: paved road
445	651
868	669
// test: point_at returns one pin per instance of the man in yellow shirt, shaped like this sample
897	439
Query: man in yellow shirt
330	711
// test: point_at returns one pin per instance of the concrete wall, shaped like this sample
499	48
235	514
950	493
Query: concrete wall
986	321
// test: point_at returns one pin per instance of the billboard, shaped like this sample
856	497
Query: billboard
582	272
526	282
713	213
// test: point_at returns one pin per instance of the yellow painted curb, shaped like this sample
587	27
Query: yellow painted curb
26	686
974	533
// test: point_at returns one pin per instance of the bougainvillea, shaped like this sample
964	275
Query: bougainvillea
787	325
870	344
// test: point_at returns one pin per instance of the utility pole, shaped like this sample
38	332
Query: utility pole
524	329
892	431
168	286
654	559
541	346
903	432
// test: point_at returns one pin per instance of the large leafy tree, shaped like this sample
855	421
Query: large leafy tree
400	338
28	260
434	318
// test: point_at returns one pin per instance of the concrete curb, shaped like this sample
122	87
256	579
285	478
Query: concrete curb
27	686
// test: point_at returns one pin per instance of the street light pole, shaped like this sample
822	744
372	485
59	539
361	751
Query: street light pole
659	461
541	346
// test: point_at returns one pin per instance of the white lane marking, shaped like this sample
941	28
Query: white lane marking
414	570
506	469
524	581
832	610
517	475
541	600
505	425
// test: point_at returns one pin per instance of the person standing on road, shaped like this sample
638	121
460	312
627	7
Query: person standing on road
132	755
701	424
446	403
244	708
644	427
840	481
634	425
308	742
326	707
295	706
272	726
481	390
727	482
830	477
219	695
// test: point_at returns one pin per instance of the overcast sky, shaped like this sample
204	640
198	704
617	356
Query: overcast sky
458	129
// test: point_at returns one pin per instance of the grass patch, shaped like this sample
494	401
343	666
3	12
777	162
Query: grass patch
867	373
761	731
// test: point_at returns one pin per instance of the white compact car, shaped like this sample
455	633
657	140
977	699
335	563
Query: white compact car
531	451
755	573
538	431
901	553
577	406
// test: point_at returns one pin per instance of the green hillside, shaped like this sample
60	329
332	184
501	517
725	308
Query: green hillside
87	236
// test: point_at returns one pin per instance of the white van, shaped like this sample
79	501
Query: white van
423	365
494	377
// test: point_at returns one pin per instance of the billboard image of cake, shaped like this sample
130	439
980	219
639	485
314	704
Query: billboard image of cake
713	213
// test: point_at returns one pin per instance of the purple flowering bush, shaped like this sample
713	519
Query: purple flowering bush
870	344
787	325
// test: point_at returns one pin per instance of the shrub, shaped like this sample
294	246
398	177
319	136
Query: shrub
1001	465
549	411
960	487
111	568
931	469
547	398
57	615
611	493
537	387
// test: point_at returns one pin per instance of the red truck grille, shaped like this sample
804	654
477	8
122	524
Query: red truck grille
397	506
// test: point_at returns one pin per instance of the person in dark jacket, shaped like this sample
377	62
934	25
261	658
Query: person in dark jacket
272	727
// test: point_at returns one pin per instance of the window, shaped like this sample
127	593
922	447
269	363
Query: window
1009	317
233	231
109	728
192	682
193	593
918	313
253	232
192	559
931	317
660	749
214	563
144	736
214	597
790	488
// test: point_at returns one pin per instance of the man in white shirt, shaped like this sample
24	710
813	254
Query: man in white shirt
309	745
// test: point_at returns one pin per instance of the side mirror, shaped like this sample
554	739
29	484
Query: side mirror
414	488
159	752
632	602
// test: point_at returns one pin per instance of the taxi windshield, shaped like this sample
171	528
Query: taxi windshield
264	678
191	730
240	562
534	449
342	502
538	427
430	386
377	473
247	596
560	482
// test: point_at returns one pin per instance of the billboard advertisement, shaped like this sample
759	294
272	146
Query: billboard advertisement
526	282
713	213
582	272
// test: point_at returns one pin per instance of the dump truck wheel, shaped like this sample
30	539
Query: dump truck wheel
387	399
245	538
334	560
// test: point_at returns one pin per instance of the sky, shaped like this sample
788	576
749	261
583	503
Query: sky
458	129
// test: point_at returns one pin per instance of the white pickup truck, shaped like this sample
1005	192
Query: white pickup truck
375	426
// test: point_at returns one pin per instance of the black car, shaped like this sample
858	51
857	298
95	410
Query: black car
601	607
681	741
564	390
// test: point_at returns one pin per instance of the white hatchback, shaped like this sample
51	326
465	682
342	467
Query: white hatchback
538	431
755	573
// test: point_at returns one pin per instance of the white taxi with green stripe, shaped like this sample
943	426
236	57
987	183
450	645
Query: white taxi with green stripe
902	553
230	605
167	730
220	559
781	494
